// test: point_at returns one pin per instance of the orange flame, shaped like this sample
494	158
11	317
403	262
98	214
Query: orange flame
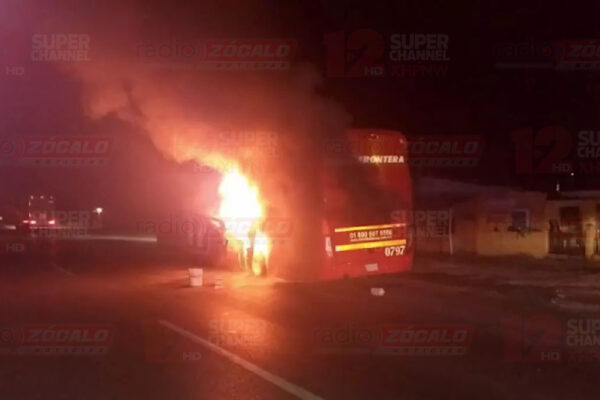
241	206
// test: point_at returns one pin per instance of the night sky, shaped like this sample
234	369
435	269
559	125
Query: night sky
476	97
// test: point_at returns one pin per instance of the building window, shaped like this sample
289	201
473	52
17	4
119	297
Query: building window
520	220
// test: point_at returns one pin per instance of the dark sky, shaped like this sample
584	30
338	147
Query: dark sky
474	98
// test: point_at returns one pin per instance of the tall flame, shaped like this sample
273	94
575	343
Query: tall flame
238	198
243	212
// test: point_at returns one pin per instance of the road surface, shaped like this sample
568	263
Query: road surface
262	339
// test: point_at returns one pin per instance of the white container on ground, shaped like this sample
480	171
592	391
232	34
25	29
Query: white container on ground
196	276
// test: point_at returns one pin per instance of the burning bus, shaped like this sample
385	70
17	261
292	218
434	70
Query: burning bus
352	228
354	231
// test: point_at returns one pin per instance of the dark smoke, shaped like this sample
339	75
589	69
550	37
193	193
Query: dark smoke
185	111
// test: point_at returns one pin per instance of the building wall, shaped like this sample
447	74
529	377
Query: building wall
482	225
432	244
464	237
509	243
494	236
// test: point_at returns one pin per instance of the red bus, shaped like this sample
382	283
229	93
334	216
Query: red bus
357	228
367	191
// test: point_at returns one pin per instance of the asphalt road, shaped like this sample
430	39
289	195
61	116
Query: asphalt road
114	319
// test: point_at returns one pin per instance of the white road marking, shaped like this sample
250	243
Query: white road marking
61	269
289	387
